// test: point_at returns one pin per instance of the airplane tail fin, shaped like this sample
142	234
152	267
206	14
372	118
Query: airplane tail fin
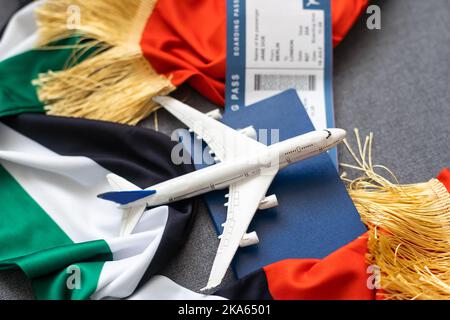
118	183
132	215
124	192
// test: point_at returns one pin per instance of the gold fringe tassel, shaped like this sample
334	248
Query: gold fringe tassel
116	83
409	229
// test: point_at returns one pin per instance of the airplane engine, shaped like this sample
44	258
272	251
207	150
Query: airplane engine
249	239
268	202
215	114
249	132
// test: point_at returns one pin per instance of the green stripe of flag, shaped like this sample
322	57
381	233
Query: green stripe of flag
17	93
42	250
24	226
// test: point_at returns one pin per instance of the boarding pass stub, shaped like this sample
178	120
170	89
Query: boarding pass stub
277	45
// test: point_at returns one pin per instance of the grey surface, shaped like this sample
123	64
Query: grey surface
14	285
393	82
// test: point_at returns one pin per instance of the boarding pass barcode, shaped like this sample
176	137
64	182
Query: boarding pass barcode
269	82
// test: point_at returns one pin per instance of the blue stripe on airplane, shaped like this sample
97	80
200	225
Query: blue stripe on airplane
125	197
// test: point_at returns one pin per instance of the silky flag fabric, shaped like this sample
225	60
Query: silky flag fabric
161	45
51	170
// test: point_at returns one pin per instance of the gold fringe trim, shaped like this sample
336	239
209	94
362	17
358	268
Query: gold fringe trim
409	229
115	86
116	83
115	22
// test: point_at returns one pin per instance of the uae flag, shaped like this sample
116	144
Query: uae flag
106	59
53	226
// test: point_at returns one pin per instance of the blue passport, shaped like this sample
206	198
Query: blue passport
315	215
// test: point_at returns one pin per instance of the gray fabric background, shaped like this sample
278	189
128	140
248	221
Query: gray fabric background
393	82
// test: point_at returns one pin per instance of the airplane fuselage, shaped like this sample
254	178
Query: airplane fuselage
222	175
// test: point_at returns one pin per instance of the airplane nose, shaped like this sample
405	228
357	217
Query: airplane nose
337	133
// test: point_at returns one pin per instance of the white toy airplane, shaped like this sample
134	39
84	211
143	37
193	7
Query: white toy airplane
247	168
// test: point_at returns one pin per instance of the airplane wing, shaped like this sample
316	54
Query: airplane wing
243	201
131	215
225	142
